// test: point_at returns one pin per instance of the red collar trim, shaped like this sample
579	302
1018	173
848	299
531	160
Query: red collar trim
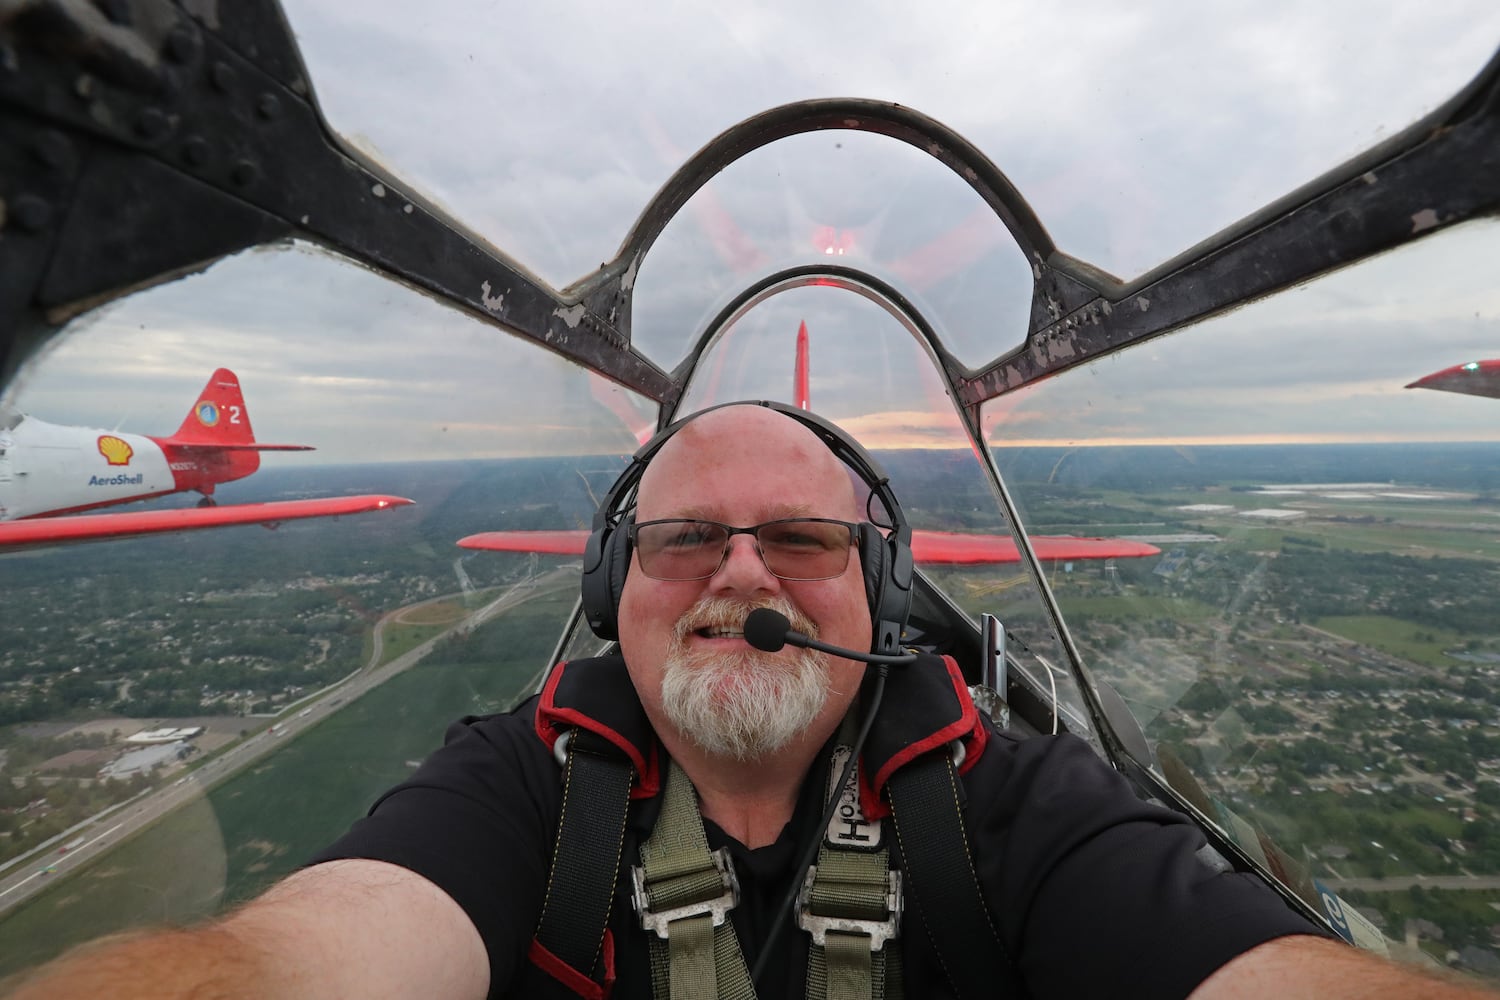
553	720
968	728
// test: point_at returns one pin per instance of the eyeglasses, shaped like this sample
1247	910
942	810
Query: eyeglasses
793	548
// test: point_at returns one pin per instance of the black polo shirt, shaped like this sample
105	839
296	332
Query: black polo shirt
1093	892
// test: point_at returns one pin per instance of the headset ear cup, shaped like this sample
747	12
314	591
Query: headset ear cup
593	589
872	561
887	565
606	560
616	566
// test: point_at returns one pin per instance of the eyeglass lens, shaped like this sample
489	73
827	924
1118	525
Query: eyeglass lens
792	549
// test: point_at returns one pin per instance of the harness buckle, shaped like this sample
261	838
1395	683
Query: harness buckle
718	907
560	748
878	931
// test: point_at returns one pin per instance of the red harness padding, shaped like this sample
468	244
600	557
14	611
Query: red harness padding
596	695
926	707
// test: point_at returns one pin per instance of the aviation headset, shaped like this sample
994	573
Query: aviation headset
885	558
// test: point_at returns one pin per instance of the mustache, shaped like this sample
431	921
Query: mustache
729	613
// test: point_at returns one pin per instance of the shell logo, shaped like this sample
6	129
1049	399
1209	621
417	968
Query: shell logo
114	450
208	413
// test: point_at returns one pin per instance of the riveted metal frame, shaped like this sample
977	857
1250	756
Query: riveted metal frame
182	133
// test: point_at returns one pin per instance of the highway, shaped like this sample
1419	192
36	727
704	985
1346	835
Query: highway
31	873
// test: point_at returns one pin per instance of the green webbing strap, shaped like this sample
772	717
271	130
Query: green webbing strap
851	901
684	892
940	876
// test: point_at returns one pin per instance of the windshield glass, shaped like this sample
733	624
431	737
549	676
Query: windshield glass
870	375
188	717
185	718
847	199
1313	655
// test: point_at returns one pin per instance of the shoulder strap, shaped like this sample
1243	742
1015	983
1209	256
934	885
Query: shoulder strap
572	944
940	877
683	895
850	901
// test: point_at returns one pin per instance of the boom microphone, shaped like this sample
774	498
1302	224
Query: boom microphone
769	630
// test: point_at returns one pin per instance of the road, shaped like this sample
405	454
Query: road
35	871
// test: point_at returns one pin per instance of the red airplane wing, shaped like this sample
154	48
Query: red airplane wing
927	546
956	549
43	531
551	543
1477	378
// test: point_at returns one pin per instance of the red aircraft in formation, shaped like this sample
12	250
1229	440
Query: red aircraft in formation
48	470
51	469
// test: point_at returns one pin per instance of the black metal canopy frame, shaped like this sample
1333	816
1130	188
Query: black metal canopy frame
143	139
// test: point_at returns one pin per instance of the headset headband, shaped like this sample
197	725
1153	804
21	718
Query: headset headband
885	549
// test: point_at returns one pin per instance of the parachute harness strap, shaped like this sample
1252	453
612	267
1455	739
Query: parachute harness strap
851	899
928	816
585	861
683	893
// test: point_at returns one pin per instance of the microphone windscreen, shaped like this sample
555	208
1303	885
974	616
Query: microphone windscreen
766	629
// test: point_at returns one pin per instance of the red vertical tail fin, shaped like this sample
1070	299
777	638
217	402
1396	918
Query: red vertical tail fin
801	392
215	443
219	416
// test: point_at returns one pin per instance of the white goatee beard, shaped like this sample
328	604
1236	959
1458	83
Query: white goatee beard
748	704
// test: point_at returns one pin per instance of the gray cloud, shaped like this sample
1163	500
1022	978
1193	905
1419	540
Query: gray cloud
1167	123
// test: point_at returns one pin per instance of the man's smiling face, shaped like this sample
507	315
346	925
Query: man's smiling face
682	640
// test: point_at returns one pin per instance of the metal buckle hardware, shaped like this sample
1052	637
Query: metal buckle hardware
878	931
560	748
718	908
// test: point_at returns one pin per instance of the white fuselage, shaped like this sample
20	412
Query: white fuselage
49	468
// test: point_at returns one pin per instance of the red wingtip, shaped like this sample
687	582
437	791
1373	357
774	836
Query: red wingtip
1475	378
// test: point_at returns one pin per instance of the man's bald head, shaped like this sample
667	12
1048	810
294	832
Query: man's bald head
743	441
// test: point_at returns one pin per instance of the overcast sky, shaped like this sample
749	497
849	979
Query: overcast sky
1134	133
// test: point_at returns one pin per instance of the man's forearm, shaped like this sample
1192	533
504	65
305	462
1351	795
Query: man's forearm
211	961
1315	967
346	928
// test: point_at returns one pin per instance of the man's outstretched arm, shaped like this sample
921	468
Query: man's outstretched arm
1314	967
344	929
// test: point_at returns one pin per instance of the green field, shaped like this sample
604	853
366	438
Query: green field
402	639
1422	644
1411	527
1133	607
1408	540
266	820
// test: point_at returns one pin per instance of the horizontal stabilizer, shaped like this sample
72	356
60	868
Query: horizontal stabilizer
186	445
